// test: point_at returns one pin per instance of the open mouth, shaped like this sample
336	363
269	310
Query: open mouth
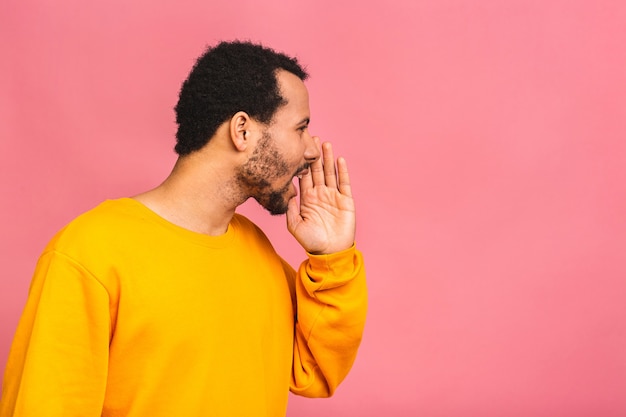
302	172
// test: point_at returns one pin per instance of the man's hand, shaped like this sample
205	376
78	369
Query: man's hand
325	221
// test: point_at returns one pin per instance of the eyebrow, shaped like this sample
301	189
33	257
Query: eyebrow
306	121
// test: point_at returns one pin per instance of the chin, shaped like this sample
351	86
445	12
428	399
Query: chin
275	203
275	210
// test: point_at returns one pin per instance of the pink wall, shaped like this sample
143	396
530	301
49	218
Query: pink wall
487	141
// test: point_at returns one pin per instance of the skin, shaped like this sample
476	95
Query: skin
246	158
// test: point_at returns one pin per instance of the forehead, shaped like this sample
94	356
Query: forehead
295	93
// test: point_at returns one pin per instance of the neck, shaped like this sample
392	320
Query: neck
198	195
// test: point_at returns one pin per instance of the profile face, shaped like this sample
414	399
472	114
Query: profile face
283	151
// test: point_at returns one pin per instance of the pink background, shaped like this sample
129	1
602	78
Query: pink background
487	146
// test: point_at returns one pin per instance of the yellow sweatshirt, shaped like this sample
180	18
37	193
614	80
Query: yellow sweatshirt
130	315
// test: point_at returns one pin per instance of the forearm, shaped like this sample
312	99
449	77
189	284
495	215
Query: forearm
331	309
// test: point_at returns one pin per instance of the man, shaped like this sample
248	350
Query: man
171	304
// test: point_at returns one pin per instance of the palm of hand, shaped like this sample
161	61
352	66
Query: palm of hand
325	221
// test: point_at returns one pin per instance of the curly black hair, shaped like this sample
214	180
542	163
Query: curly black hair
227	78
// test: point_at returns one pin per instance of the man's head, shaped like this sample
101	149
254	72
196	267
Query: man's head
278	152
226	79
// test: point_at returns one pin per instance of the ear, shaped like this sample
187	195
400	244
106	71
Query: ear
240	123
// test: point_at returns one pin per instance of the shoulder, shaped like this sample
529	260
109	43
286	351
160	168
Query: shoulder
249	232
97	226
243	223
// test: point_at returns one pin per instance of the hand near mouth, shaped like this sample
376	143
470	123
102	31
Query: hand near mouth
325	220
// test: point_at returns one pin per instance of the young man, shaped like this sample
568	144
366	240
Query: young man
171	304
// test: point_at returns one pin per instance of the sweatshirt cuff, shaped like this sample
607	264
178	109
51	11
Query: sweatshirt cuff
332	270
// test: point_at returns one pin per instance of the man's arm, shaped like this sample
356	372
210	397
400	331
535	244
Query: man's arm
58	362
331	294
331	308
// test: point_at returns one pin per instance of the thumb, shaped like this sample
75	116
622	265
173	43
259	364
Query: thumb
293	215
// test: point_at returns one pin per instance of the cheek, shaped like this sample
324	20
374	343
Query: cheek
294	154
288	154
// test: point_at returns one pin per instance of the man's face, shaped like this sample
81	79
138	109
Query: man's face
284	150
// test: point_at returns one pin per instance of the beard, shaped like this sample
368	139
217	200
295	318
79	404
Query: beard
265	166
275	202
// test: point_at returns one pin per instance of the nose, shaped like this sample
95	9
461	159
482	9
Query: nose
312	150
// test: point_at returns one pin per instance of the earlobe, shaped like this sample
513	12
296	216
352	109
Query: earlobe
239	124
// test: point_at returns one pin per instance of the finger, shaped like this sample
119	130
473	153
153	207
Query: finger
344	177
305	182
317	172
330	175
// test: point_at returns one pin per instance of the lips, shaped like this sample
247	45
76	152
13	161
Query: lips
302	172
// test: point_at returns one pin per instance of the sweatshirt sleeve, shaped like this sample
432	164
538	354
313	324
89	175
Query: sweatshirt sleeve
331	299
58	361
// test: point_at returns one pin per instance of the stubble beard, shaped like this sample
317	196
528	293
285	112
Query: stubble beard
256	174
